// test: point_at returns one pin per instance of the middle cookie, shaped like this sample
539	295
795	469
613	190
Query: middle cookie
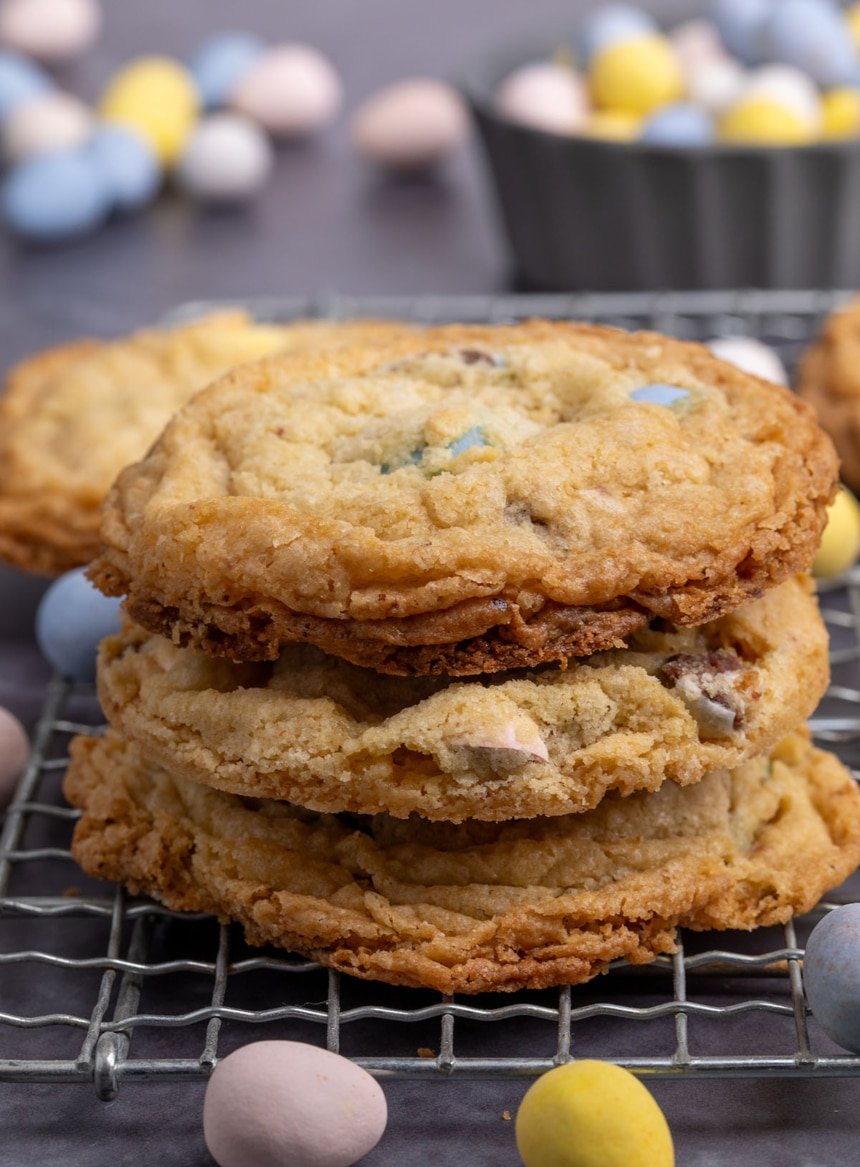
321	733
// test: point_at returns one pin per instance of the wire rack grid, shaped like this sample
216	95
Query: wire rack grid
107	989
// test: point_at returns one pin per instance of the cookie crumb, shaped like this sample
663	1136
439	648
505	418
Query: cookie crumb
72	892
506	1115
424	1052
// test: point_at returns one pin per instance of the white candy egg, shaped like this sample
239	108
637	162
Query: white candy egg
280	1103
291	90
228	159
716	85
789	87
697	43
546	96
52	121
14	751
50	30
750	355
411	124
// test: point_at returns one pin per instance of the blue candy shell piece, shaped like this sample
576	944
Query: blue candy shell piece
740	24
679	125
71	620
54	196
609	24
659	394
813	36
20	80
220	62
127	165
471	438
831	975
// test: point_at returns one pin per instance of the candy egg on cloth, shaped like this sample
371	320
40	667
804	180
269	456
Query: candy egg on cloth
840	542
127	165
840	113
761	121
682	125
790	88
53	196
607	25
813	35
636	76
14	752
546	96
20	81
72	618
287	1104
221	62
410	125
831	975
751	355
592	1114
716	85
157	97
52	121
740	23
228	159
50	30
291	90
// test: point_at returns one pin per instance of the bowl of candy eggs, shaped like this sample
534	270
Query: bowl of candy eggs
723	151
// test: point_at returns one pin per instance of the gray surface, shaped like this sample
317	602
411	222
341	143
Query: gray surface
325	223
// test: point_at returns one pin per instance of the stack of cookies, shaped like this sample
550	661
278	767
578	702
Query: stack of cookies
471	658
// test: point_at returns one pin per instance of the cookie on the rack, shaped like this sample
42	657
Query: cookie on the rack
73	416
829	379
325	734
467	500
480	906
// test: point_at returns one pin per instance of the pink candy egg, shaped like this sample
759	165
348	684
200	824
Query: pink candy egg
14	752
546	96
410	125
291	90
49	30
51	121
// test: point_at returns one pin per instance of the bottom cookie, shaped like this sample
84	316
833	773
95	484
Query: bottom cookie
480	906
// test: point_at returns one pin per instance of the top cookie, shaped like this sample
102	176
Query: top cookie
73	416
468	499
829	379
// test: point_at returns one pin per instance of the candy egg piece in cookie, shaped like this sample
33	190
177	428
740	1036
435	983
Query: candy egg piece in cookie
291	90
127	164
544	95
592	1114
14	752
71	620
228	159
840	543
637	76
56	195
659	394
410	125
274	1103
50	30
221	62
751	356
51	121
831	975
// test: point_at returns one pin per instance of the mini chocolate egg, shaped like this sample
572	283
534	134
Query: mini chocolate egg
287	1104
52	121
696	43
682	125
592	1114
127	165
759	121
612	125
410	125
228	159
716	85
546	96
157	97
749	354
831	975
607	25
50	30
740	24
14	752
53	196
840	113
790	88
813	36
220	62
71	619
20	81
291	90
636	76
840	541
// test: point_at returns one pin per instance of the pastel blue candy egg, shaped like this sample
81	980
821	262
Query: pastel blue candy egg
831	975
470	439
812	35
55	196
71	620
220	62
127	165
20	80
609	24
740	24
679	125
659	394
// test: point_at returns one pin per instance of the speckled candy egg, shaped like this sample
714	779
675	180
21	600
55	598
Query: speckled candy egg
840	113
228	159
545	96
761	121
740	24
612	125
592	1114
221	61
14	751
20	81
811	34
52	121
636	76
286	1104
157	97
608	24
50	30
831	975
127	165
716	85
291	90
789	87
410	125
840	541
72	618
696	43
682	125
749	354
49	197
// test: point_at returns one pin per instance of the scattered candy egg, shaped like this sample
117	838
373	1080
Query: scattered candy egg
20	81
72	618
696	43
659	394
290	90
636	76
14	752
751	355
273	1103
545	95
410	125
592	1114
840	543
157	97
789	87
613	125
127	165
762	122
52	121
220	62
228	159
831	975
840	113
607	25
679	125
50	30
740	23
716	85
812	35
55	196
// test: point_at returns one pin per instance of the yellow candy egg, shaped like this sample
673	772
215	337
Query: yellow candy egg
592	1114
759	121
157	97
840	543
637	75
613	124
852	16
840	113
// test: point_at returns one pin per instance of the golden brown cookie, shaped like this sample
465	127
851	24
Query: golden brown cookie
322	733
476	907
467	500
829	379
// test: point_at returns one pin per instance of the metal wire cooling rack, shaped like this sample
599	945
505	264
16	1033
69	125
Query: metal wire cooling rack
98	987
